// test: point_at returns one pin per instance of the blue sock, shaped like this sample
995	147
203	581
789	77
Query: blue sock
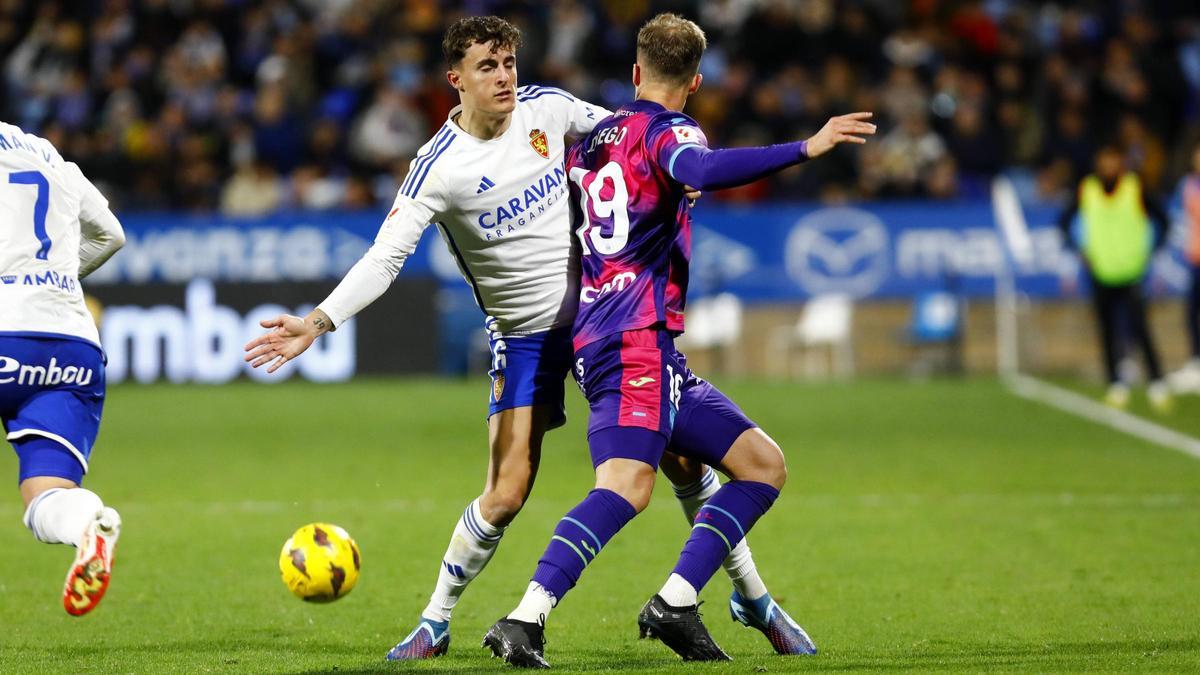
720	524
578	539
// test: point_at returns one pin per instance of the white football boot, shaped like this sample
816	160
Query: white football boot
87	579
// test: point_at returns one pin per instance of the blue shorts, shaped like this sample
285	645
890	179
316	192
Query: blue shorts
644	399
530	370
51	399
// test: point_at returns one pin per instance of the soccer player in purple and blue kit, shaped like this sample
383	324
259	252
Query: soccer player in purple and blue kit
634	224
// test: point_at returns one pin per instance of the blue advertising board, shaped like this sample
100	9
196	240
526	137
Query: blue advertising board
885	250
763	253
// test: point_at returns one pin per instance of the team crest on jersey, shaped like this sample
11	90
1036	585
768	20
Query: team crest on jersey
537	141
497	386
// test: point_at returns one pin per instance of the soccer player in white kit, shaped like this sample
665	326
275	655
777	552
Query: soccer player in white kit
492	181
55	229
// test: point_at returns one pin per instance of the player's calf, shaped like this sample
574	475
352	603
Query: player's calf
500	505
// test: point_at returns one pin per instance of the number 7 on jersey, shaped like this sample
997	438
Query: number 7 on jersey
40	207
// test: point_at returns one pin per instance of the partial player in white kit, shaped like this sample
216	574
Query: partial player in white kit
55	229
492	181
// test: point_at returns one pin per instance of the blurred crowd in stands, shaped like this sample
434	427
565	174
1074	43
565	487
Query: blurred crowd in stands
250	106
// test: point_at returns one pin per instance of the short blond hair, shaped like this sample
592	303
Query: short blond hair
669	47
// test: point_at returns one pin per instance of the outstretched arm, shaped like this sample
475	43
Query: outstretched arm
696	165
290	336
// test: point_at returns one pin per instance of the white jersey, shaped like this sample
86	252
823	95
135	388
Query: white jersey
501	206
55	228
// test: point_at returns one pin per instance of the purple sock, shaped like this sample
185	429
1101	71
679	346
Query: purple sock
579	537
720	524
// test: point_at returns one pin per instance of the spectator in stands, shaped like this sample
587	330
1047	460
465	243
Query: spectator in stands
391	128
254	190
1119	226
131	86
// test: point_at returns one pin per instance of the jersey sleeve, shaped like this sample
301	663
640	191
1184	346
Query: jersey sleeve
411	212
680	148
101	234
577	117
669	135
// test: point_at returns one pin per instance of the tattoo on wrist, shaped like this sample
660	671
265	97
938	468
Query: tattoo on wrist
320	323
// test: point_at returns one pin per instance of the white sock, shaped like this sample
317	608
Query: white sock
535	606
677	592
472	545
60	515
739	564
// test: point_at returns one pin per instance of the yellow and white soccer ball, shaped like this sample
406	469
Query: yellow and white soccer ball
320	562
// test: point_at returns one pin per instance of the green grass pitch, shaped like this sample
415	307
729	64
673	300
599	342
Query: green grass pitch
941	526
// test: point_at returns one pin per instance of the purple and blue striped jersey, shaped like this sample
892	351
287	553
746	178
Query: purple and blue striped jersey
632	220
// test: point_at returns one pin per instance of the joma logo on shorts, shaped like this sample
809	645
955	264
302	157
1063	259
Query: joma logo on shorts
12	370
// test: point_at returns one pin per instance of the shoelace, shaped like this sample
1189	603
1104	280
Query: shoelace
542	624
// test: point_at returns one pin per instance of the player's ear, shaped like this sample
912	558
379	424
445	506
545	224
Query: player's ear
454	79
695	83
637	75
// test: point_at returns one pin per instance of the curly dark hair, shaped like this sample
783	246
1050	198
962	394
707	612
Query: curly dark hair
482	29
670	47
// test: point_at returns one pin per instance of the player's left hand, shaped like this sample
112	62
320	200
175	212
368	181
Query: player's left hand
841	129
692	194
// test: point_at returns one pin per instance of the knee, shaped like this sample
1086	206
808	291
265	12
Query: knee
759	460
632	480
774	466
777	474
500	504
638	495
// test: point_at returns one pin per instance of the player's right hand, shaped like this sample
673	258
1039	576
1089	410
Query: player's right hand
289	336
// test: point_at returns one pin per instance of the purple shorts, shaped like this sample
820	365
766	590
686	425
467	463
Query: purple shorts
644	400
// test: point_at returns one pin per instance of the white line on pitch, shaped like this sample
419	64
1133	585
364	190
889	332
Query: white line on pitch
1068	401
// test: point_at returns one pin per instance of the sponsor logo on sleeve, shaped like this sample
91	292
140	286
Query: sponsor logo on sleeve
685	134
